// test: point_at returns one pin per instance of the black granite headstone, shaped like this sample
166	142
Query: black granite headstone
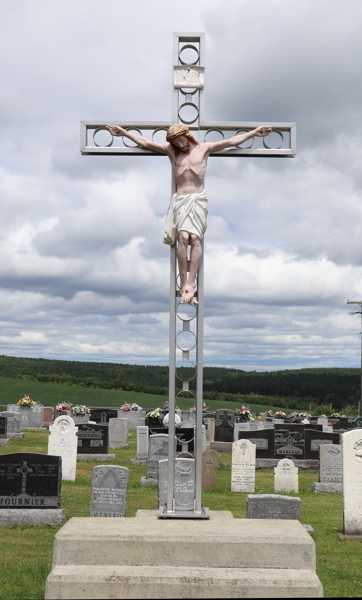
289	441
183	435
343	423
263	439
92	439
314	426
102	415
313	440
30	480
224	425
3	428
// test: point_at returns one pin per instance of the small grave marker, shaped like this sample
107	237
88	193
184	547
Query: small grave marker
210	462
273	506
224	425
184	485
286	476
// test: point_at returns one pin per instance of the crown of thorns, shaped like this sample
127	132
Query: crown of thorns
176	131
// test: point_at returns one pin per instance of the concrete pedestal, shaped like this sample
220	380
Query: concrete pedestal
149	558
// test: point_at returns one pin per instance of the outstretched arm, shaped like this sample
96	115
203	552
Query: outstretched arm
262	131
138	139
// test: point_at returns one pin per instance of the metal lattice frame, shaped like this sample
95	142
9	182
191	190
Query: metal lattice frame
188	91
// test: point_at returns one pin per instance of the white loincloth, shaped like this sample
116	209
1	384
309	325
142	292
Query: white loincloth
186	213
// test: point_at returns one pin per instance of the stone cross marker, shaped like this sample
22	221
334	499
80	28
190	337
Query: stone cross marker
109	491
210	462
286	476
224	425
187	95
352	481
63	442
243	466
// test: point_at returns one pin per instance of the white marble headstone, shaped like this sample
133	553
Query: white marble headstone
352	481
330	463
63	442
142	441
286	476
243	466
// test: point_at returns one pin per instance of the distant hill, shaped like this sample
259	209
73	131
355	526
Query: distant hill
297	387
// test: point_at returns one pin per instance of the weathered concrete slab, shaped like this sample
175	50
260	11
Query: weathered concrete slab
33	516
327	487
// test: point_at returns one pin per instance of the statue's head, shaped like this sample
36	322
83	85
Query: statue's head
180	137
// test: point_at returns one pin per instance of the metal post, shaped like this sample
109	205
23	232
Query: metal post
358	312
199	379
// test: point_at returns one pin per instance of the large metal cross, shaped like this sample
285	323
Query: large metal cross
188	107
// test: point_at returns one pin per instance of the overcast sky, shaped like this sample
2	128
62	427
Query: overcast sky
83	271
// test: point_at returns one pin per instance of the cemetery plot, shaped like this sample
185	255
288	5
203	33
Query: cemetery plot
13	421
30	480
289	441
109	491
92	439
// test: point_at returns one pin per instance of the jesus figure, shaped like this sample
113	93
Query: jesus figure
186	220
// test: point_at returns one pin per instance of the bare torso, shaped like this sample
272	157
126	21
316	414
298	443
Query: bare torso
189	168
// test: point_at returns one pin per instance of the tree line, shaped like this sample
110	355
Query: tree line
298	388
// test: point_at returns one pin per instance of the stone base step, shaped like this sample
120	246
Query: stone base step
32	516
68	582
217	542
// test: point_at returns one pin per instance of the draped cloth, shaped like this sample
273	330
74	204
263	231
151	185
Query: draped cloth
186	213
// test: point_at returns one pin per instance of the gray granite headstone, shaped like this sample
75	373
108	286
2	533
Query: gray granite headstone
80	419
109	491
184	483
118	433
157	450
13	421
273	506
331	463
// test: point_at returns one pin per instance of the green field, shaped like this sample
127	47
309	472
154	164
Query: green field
49	394
26	552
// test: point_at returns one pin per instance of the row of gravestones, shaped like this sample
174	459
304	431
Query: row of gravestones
274	440
185	439
33	481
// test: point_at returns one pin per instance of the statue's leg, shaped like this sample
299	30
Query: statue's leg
196	251
183	242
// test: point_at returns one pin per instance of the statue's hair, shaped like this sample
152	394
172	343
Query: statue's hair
176	131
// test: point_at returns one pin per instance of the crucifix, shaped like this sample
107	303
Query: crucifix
191	141
24	470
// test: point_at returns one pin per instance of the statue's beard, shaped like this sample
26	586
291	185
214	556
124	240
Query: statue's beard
186	147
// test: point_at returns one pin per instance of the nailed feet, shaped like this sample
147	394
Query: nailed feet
187	294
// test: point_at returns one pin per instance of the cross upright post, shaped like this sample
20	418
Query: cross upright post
358	312
188	108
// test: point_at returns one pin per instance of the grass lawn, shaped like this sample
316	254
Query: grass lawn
26	552
50	394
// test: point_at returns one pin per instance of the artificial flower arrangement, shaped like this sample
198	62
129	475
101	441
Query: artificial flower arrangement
63	406
27	401
136	406
166	406
154	414
126	407
243	411
204	407
280	413
80	409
